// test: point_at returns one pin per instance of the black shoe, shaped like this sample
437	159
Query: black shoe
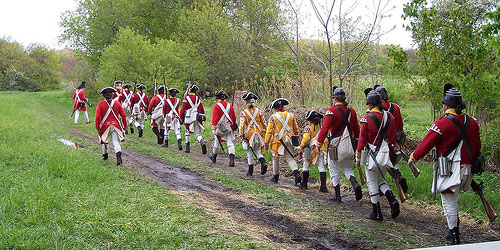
203	148
305	179
126	131
263	166
162	135
275	178
105	156
250	170
357	188
140	132
165	143
448	235
131	130
337	197
376	213
393	203
179	144
298	179
119	158
212	157
402	180
187	147
322	178
454	236
231	160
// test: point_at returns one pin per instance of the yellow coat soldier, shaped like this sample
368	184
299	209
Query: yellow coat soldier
252	129
282	129
311	156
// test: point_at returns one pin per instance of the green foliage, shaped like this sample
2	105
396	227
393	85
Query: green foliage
32	69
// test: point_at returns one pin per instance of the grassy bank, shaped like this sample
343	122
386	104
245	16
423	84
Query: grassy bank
55	196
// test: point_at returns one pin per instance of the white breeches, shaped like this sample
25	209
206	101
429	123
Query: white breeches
175	125
335	166
250	155
376	182
115	141
450	201
139	120
197	130
85	115
229	142
289	160
321	163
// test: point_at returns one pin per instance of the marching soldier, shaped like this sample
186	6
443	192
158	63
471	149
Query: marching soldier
125	100
341	123
139	103
394	109
172	118
223	127
80	103
155	109
110	122
252	129
281	137
455	135
193	115
312	156
118	86
378	139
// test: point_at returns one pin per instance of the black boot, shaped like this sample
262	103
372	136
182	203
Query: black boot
322	178
250	170
187	147
393	202
337	196
140	132
162	135
119	158
126	131
131	129
165	143
448	235
157	133
263	166
212	157
357	188
305	179
376	212
203	148
231	160
454	236
105	156
179	144
298	179
275	178
402	180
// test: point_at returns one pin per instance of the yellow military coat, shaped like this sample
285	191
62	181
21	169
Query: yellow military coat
274	129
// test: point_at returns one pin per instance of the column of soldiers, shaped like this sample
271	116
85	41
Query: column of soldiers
334	138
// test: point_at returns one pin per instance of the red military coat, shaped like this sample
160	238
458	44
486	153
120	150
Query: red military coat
155	101
79	95
334	119
186	106
118	94
369	130
217	113
136	98
443	134
394	109
166	107
101	109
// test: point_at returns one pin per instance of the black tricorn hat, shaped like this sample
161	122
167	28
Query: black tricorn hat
193	88
279	102
127	86
338	91
173	90
451	96
221	94
140	86
313	114
248	96
82	85
107	90
117	82
161	87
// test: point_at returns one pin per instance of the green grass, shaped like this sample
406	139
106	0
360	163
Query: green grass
55	196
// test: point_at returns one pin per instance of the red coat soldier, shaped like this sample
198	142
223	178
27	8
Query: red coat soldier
223	127
111	123
139	102
155	108
80	103
126	100
172	117
118	86
192	115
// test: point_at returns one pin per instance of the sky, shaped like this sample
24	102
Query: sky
37	21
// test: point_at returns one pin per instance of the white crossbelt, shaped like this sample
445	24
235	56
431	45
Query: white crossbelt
252	119
172	109
225	110
142	99
162	100
77	96
191	102
284	123
127	97
110	110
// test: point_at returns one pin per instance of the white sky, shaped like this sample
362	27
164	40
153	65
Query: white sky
37	21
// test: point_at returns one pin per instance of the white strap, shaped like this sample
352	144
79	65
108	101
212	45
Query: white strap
127	97
110	108
225	110
252	119
191	102
384	119
116	117
284	124
77	98
160	104
172	107
141	99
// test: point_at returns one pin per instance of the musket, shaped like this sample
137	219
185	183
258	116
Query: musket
401	193
478	189
434	185
220	142
286	148
154	90
115	75
412	167
362	177
164	84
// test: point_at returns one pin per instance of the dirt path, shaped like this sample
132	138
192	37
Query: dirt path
241	213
